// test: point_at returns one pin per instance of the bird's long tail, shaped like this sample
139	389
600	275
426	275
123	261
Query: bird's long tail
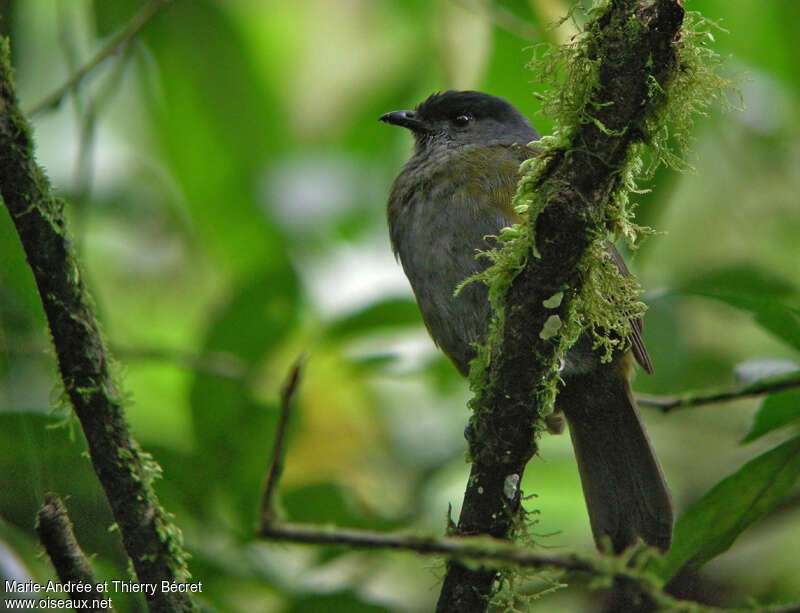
626	494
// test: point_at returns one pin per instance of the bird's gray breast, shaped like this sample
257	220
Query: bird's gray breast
437	228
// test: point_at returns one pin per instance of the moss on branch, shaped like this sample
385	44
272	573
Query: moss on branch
631	84
125	472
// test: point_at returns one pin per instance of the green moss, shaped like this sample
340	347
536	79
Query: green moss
694	88
607	300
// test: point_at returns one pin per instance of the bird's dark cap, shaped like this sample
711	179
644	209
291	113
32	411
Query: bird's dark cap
443	105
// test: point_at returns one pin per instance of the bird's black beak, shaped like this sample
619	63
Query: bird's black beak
406	119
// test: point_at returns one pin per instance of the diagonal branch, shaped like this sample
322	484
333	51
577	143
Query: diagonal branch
126	473
633	50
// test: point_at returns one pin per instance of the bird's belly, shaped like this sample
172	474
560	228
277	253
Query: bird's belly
456	322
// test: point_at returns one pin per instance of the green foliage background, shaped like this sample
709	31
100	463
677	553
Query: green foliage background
226	181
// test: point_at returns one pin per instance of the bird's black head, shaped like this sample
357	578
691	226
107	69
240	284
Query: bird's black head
456	118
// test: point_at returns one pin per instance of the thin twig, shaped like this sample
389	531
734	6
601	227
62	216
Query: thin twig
693	399
276	461
121	39
55	532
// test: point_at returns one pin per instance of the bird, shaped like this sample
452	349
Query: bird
453	194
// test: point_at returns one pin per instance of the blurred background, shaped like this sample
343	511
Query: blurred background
226	179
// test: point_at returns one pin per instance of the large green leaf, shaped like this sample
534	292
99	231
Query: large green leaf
771	300
712	524
739	280
777	411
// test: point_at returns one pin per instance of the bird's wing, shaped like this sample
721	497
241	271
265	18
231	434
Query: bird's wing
637	342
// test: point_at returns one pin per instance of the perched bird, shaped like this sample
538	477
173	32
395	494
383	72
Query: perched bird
453	193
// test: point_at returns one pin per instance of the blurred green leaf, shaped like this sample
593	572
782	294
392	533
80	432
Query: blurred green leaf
231	427
20	308
374	362
777	411
770	299
111	16
217	123
739	280
711	525
387	314
38	457
318	503
781	320
761	42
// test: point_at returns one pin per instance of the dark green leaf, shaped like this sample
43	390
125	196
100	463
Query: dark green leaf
21	308
712	524
776	411
743	280
38	457
780	319
319	503
770	299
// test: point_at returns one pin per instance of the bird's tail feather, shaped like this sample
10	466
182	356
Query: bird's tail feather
626	494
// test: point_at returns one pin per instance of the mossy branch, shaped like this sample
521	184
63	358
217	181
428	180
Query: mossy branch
620	81
603	569
126	473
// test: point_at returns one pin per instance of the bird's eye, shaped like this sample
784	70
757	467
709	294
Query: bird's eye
462	120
